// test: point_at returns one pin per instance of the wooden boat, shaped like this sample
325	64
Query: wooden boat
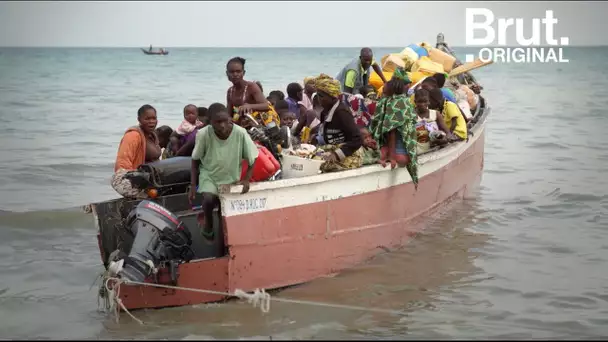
148	52
291	231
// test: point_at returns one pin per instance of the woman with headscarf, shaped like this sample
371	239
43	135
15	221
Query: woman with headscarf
338	134
394	126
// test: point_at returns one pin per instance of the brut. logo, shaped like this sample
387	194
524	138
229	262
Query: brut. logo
528	37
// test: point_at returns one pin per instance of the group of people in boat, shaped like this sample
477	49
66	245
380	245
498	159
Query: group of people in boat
161	50
352	123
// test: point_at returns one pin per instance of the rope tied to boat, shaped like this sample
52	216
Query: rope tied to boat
113	298
257	297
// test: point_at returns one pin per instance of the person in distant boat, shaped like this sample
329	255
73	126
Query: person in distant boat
246	97
295	93
356	73
338	136
218	152
139	145
150	48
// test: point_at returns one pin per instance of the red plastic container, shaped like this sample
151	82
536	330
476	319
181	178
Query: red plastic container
265	166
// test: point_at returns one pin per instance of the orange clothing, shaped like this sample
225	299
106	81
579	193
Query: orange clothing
132	150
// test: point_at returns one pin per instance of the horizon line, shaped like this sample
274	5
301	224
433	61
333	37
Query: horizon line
276	47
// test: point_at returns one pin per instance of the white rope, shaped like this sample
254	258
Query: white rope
113	294
258	297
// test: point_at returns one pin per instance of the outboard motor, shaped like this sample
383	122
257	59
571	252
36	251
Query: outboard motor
167	177
159	238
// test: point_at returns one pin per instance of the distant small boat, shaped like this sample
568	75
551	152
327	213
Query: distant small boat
159	52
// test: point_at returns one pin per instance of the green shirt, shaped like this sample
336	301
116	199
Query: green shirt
221	159
351	75
370	156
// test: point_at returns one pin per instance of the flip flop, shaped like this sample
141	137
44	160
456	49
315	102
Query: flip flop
208	236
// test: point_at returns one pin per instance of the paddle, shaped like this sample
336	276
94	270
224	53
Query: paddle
477	63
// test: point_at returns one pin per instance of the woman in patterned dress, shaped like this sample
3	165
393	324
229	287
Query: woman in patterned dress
393	126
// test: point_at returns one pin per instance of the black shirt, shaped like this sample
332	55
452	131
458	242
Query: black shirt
341	128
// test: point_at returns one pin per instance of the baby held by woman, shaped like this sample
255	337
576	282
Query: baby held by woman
191	121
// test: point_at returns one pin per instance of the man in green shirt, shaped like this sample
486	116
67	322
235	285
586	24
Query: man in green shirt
219	149
355	74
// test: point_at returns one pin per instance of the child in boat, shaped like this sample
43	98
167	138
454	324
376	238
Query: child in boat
219	149
275	96
370	151
368	92
186	131
430	126
452	116
202	115
164	140
307	127
282	108
190	122
289	119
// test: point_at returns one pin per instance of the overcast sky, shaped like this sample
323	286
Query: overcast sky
272	24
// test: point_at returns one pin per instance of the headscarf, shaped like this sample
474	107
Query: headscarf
328	84
308	79
401	74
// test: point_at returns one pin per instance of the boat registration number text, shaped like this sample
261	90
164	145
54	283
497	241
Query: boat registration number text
244	205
